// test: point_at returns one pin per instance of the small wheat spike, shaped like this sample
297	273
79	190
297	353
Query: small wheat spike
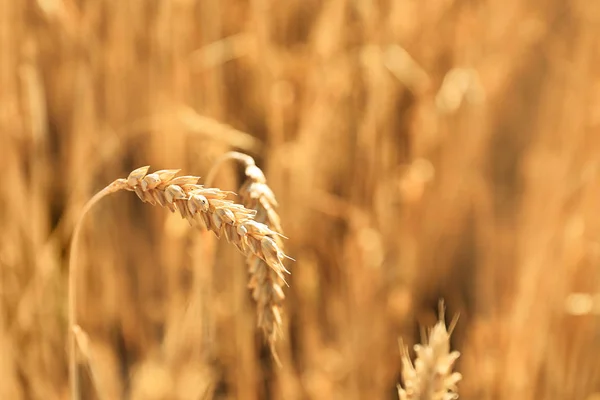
199	205
255	194
431	376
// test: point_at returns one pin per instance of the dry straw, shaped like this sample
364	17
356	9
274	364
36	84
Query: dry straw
257	195
431	376
199	205
83	344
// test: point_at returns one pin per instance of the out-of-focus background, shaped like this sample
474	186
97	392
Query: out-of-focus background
418	149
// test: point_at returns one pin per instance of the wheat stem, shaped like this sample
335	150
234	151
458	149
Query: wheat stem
72	285
230	155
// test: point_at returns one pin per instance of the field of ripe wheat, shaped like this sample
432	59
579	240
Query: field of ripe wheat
294	188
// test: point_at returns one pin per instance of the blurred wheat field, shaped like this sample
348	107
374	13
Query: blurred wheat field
418	150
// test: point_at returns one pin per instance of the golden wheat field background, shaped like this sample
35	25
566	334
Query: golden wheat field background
418	149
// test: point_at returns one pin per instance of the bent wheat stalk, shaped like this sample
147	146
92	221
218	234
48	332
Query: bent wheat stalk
257	195
198	205
254	192
431	376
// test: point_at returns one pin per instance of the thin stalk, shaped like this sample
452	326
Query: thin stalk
72	289
231	155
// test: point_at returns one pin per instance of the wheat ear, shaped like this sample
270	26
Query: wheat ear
431	376
257	195
196	204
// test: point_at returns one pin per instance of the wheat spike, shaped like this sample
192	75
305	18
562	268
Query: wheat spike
198	205
255	194
431	376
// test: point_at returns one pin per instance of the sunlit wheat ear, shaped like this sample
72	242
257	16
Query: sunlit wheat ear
431	376
255	194
199	205
209	207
